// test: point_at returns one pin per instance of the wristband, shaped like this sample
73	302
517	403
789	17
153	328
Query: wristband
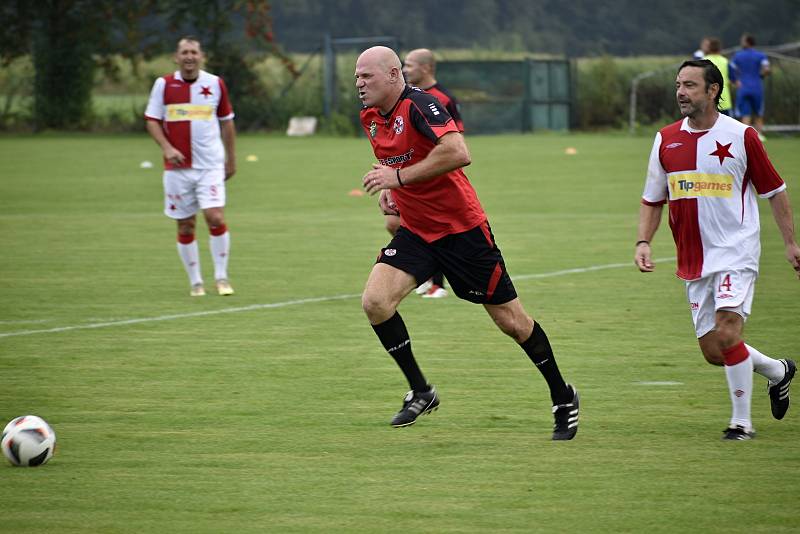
643	242
399	181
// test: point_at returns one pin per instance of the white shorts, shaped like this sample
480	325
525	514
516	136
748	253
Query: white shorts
187	190
728	290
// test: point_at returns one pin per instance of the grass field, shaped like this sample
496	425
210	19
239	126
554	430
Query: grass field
268	411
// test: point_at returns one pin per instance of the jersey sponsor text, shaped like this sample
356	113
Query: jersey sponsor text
694	184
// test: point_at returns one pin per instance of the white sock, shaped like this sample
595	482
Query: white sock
191	261
770	368
220	250
740	386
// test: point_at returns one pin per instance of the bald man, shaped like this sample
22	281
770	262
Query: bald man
419	177
419	69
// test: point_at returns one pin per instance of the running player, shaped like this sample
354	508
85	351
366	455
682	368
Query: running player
190	117
421	154
710	167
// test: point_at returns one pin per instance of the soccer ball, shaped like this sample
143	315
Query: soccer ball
28	441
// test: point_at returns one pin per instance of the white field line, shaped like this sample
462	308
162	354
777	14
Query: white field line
284	304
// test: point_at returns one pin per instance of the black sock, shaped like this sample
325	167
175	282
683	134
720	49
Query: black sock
438	279
537	347
395	339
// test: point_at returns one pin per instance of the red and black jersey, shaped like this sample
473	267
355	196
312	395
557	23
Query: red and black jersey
443	205
448	101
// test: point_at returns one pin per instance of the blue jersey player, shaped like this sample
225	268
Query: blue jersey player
747	70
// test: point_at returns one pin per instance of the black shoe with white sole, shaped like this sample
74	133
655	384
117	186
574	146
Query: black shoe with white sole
738	433
415	404
566	417
779	393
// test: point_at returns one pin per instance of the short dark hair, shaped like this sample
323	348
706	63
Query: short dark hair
191	38
749	38
714	45
711	74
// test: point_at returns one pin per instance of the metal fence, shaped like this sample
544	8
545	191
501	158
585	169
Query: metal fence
509	96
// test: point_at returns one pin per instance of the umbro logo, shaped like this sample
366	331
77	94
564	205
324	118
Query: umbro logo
390	252
674	145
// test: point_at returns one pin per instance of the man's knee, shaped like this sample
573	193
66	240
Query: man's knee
516	325
713	355
186	226
728	330
214	217
726	334
377	307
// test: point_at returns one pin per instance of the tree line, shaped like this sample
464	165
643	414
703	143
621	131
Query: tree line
577	28
70	41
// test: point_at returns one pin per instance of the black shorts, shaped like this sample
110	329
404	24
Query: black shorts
470	260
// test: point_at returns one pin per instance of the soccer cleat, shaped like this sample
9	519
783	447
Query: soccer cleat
738	433
435	292
566	417
197	291
423	287
414	405
224	288
779	393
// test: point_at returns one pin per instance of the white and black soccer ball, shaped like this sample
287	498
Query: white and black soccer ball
28	441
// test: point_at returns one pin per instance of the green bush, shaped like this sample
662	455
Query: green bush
265	95
601	94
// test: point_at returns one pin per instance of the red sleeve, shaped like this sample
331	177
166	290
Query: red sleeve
759	169
224	109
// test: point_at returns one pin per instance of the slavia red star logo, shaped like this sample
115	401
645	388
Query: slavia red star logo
722	152
206	92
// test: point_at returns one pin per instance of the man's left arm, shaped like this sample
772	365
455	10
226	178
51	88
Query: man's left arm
450	153
782	211
228	132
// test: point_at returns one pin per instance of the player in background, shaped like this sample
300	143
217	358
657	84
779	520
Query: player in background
714	55
443	227
709	168
190	116
748	67
701	52
419	69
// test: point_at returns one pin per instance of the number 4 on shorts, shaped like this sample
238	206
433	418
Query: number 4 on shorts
726	283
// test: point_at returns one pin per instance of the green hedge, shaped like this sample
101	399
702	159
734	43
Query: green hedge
265	95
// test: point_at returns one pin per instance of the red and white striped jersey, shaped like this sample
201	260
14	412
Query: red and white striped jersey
710	179
190	115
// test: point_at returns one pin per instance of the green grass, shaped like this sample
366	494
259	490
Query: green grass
275	419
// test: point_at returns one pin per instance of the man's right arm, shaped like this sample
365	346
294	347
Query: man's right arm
449	154
649	219
653	200
171	154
